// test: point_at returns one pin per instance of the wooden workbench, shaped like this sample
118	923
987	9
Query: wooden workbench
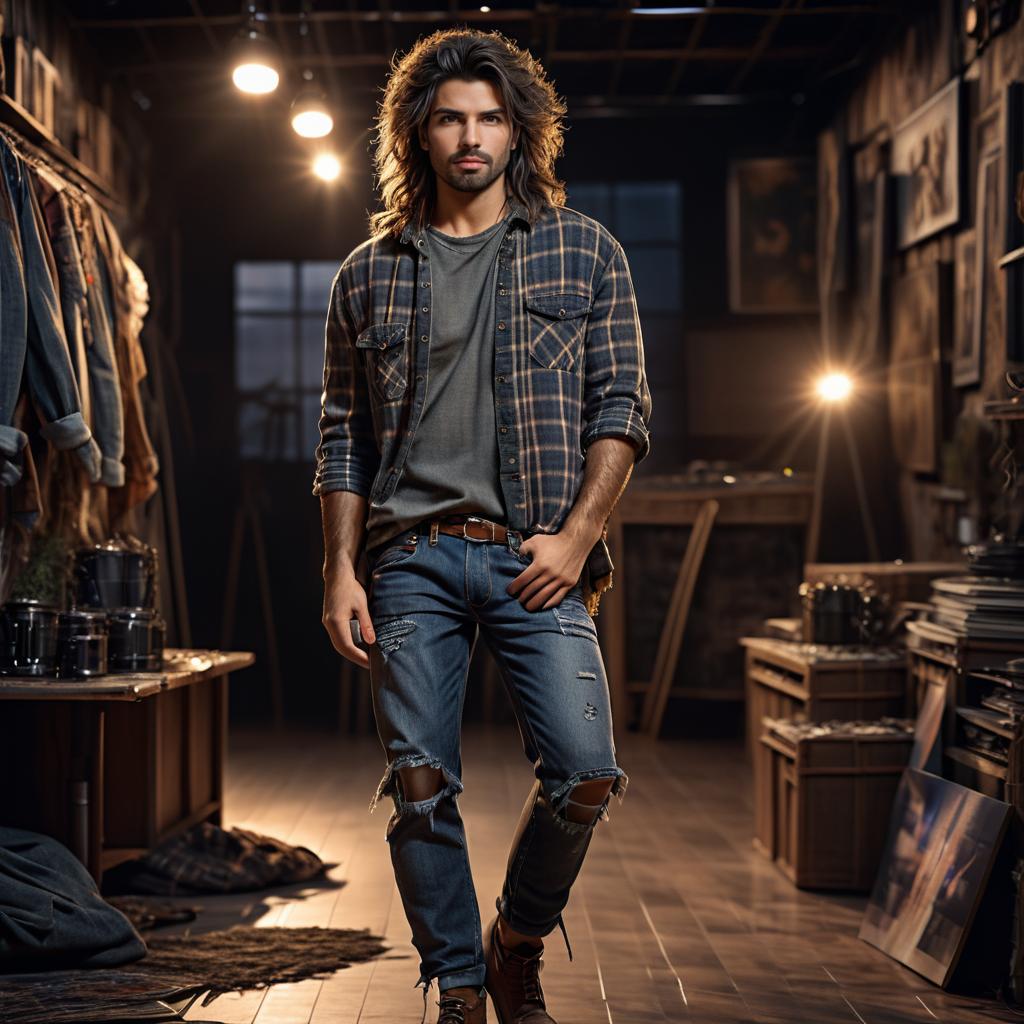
111	766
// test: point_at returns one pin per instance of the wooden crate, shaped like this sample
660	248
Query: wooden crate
820	684
823	804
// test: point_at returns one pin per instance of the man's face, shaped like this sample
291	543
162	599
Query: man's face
468	134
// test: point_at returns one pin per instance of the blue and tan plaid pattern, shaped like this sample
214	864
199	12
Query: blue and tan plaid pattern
568	362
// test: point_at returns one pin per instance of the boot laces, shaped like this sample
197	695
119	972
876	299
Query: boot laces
453	1010
527	969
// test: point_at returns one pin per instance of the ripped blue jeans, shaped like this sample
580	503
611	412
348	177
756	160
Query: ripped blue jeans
428	603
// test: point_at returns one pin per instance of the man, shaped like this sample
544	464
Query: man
484	403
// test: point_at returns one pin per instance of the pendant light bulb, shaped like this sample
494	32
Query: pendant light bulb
327	167
310	117
255	62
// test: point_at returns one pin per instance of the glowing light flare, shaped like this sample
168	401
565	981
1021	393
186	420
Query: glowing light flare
255	79
834	387
327	167
312	124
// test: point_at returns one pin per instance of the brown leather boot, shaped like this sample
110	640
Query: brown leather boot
513	982
462	1006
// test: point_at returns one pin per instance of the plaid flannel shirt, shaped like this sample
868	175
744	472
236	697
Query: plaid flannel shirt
568	366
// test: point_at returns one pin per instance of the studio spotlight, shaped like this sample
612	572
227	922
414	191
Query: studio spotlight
310	117
255	61
327	167
834	387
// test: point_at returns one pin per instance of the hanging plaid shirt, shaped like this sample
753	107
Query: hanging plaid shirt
568	367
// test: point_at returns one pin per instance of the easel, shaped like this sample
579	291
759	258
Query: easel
658	691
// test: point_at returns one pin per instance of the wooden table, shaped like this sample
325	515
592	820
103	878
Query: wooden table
112	766
659	501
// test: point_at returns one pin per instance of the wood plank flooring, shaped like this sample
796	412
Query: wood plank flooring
675	918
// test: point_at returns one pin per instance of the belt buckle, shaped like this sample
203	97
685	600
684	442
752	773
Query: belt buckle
477	519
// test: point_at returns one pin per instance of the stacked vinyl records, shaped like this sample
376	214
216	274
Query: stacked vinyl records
998	558
986	607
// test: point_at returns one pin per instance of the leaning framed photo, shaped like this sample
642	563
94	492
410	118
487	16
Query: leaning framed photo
772	233
927	162
968	299
943	840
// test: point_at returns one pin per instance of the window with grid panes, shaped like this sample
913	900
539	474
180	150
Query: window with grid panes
280	311
646	217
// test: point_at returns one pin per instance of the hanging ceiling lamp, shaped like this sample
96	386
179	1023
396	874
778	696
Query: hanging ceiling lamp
310	117
255	60
327	167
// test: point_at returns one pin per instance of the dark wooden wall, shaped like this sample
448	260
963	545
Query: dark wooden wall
908	70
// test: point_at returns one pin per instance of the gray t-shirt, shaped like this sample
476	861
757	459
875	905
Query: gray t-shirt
453	463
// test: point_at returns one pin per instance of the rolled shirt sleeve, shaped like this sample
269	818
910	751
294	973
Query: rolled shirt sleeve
347	458
616	398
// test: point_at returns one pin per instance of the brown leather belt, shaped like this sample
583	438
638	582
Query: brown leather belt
471	528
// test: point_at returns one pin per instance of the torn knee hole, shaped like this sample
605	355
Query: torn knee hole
420	783
587	801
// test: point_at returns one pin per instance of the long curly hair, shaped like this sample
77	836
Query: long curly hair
406	179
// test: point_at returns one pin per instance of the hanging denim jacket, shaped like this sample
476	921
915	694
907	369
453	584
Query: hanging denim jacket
86	315
51	191
33	344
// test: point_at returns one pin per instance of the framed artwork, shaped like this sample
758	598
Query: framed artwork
919	318
927	164
990	325
771	219
968	296
833	189
871	219
943	839
1012	272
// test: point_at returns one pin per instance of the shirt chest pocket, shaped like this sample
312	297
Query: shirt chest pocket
387	357
556	324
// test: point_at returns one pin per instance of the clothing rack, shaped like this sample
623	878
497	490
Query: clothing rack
34	142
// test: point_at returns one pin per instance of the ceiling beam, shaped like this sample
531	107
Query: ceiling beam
768	31
204	24
499	15
625	28
696	34
375	60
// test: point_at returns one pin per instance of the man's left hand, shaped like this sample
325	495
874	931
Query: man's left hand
557	561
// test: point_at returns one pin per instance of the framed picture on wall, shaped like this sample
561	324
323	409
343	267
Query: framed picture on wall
772	231
927	162
871	224
990	325
919	318
968	296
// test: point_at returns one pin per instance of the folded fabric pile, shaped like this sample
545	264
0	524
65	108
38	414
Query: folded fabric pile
209	859
51	913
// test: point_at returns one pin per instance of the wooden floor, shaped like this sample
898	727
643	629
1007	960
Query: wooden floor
674	917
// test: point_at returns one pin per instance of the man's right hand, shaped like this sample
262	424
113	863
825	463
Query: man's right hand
345	599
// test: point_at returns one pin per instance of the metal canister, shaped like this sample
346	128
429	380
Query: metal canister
81	644
136	641
28	639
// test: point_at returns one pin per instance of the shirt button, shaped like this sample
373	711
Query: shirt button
561	312
426	309
511	462
501	325
504	430
424	337
419	376
501	291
